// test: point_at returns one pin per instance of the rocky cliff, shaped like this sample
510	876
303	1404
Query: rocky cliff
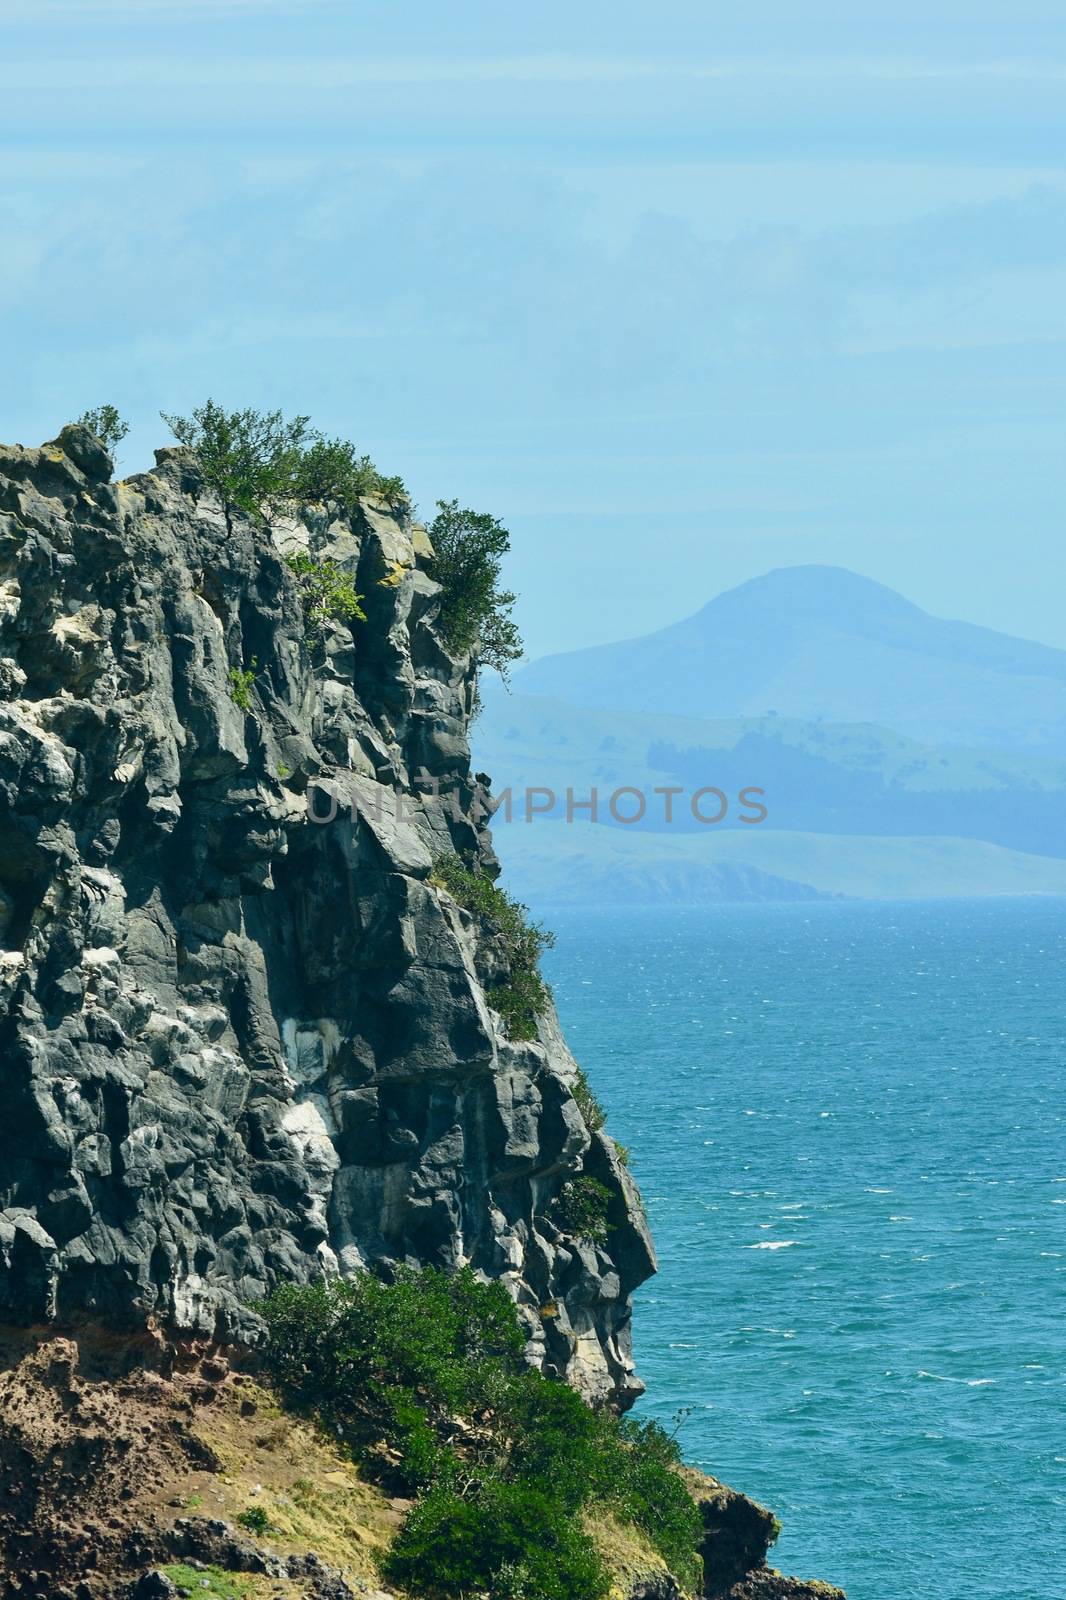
246	1037
243	1036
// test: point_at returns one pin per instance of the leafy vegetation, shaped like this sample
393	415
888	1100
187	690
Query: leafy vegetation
468	549
327	591
592	1112
425	1378
106	424
587	1104
520	1001
255	1519
512	1537
249	457
241	682
330	469
257	461
580	1208
210	1582
524	995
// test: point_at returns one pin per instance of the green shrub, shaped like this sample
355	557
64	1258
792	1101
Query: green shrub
511	1541
425	1378
556	1439
590	1108
330	469
524	995
257	461
106	424
468	548
359	1347
646	1489
254	1518
520	1001
241	681
580	1208
249	457
327	591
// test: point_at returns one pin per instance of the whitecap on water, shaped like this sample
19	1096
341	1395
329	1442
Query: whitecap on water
969	1383
772	1244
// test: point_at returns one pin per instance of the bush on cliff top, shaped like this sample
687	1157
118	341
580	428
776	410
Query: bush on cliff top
425	1379
258	460
106	424
522	998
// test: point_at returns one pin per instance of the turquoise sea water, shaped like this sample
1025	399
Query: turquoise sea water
848	1124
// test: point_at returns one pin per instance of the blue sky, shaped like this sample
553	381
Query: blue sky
680	292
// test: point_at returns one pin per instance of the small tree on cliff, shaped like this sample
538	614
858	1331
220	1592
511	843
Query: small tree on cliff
475	612
259	460
106	424
249	457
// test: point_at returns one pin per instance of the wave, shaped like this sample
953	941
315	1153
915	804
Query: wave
969	1383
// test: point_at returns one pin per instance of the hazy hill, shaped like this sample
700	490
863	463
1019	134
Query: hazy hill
550	864
818	642
818	777
899	754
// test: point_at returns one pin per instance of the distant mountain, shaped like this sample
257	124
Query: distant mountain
815	643
899	755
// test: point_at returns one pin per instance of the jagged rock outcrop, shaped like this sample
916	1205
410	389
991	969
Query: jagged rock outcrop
240	1043
737	1536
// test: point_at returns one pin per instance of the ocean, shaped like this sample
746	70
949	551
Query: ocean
847	1122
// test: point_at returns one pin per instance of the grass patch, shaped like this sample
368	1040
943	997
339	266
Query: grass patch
313	1494
590	1108
211	1582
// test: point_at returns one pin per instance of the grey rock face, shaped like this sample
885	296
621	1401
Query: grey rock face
239	1045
